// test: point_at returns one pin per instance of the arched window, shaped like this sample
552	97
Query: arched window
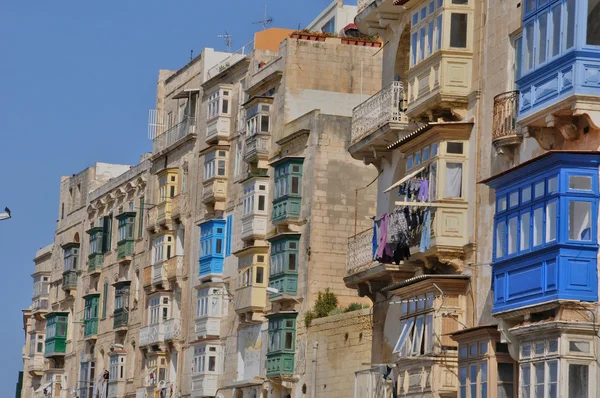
104	299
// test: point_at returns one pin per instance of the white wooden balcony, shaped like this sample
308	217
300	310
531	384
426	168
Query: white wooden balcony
175	134
173	329
218	128
153	334
254	226
35	366
204	385
257	148
208	326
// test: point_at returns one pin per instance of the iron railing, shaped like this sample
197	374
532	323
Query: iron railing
176	133
388	105
231	60
360	252
506	112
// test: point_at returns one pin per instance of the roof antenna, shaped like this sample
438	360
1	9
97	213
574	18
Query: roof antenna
265	22
227	38
191	55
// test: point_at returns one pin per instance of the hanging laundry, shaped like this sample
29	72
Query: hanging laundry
374	241
426	232
424	191
382	227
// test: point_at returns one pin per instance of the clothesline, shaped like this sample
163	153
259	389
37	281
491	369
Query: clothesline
432	204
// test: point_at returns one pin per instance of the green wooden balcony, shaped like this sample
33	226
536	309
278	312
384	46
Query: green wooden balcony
90	327
69	280
55	347
286	208
286	284
125	249
95	261
120	319
280	364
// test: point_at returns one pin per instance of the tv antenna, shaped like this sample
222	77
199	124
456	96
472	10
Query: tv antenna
265	22
227	38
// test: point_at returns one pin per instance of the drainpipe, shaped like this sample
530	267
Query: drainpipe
313	383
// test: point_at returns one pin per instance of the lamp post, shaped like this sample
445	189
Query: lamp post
5	215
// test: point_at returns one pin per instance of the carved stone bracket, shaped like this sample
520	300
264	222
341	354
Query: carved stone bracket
565	125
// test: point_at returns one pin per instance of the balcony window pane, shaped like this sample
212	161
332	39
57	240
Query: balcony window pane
539	190
225	106
413	46
438	26
580	183
539	370
460	1
551	221
433	181
500	236
525	230
555	36
578	381
514	199
552	346
538	224
529	5
260	272
289	340
552	185
422	44
453	180
579	346
264	123
295	185
552	379
473	380
212	363
219	248
425	154
261	202
483	380
542	38
458	30
417	158
593	23
525	195
462	379
429	39
292	261
528	55
570	24
501	204
512	235
580	220
455	148
505	380
409	162
415	18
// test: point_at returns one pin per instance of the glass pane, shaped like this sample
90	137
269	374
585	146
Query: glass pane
539	190
502	204
462	379
579	346
529	5
473	350
463	351
500	232
453	180
458	30
413	57
438	39
525	381
528	58
264	123
593	23
552	185
525	231
539	379
570	24
289	340
542	37
539	349
582	183
578	381
512	235
580	220
421	53
551	221
483	348
513	199
552	346
454	147
525	351
460	1
555	36
295	185
483	378
473	380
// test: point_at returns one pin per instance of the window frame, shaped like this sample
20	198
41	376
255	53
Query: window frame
216	101
278	329
213	163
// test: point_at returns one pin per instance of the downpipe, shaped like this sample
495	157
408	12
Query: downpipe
313	383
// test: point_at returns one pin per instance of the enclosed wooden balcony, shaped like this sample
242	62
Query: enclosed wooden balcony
35	366
152	335
163	212
215	193
378	122
257	149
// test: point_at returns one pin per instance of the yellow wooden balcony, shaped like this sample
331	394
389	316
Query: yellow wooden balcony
163	212
215	193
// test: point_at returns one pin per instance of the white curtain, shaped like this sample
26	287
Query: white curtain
453	180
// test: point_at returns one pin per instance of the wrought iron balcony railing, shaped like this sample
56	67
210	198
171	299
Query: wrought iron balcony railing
506	112
387	106
360	252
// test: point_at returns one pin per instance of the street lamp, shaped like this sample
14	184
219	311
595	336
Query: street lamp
5	215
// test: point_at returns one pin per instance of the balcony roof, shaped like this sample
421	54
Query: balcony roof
423	129
548	154
291	159
185	93
410	281
251	249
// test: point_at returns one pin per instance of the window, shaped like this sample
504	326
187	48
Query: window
505	380
141	221
126	227
104	299
95	240
258	119
554	43
162	247
593	23
117	367
215	164
239	148
255	197
282	335
454	180
580	214
218	103
71	257
416	327
578	381
458	30
542	33
158	309
529	45
205	359
284	256
539	369
329	27
213	238
288	179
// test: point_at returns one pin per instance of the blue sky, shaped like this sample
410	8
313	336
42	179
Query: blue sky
78	78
